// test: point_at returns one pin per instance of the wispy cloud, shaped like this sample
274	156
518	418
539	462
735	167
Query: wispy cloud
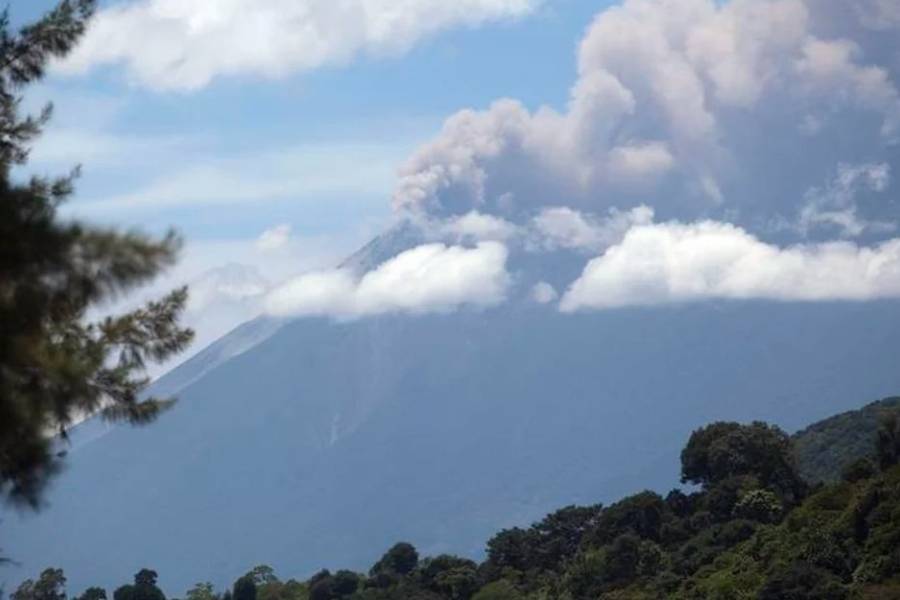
275	238
563	227
299	172
835	206
63	147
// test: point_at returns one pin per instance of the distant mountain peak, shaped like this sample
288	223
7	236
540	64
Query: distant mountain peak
402	236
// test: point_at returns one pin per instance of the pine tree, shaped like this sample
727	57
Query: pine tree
55	367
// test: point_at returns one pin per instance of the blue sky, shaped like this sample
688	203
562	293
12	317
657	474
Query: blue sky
347	127
316	150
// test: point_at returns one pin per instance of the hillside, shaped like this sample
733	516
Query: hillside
751	530
326	441
825	448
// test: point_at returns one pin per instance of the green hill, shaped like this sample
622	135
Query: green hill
751	527
825	448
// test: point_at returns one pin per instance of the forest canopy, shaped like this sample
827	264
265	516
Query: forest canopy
752	528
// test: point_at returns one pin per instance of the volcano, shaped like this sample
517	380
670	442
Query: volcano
311	442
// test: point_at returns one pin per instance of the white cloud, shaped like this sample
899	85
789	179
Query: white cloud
835	206
674	262
476	226
639	162
425	279
563	227
275	238
831	69
185	44
553	228
544	293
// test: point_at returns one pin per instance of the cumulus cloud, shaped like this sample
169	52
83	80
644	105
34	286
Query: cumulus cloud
275	238
185	44
831	68
638	162
552	228
476	226
694	107
426	279
835	206
675	262
544	293
563	227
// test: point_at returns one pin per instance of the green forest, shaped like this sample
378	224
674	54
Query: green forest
763	515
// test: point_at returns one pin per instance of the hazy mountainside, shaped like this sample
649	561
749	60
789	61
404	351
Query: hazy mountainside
749	528
825	448
315	442
238	341
328	441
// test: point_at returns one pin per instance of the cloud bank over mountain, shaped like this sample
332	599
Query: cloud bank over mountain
185	44
426	279
674	262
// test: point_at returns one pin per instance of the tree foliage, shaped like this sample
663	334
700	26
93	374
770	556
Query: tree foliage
55	367
401	559
93	593
737	537
725	451
201	591
824	449
51	585
244	588
144	587
887	444
262	575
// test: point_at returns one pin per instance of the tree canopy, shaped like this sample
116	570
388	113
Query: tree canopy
721	452
56	367
51	585
737	536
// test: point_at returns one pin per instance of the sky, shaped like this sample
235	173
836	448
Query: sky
309	155
674	151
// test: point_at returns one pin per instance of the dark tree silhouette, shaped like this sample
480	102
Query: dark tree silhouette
887	443
399	560
244	588
51	585
725	451
55	367
93	593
